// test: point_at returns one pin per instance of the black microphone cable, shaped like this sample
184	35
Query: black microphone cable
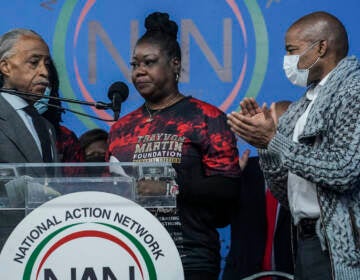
98	105
27	95
76	112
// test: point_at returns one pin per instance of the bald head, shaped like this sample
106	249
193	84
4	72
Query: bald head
323	26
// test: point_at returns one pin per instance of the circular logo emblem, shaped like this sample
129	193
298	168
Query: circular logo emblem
90	235
224	50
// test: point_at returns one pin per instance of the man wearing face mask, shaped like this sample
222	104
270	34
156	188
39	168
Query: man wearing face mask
311	158
24	136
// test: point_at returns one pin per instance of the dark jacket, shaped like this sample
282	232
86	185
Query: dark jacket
17	145
248	229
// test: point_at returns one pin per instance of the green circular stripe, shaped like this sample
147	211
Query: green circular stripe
35	254
258	76
149	264
262	48
59	54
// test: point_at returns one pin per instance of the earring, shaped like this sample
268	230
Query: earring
177	76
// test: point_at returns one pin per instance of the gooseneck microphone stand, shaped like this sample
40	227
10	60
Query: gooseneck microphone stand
98	105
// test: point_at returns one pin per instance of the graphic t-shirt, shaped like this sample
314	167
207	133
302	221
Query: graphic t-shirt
195	138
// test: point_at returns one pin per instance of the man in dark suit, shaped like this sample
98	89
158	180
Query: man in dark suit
25	137
24	59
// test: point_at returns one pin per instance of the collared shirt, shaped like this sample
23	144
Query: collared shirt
301	192
19	104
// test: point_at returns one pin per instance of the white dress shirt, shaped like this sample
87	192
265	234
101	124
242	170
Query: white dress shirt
302	193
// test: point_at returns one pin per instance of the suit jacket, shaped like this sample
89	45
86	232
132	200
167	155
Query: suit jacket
16	142
17	145
248	229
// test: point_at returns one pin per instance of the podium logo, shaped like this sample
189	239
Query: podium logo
90	274
61	240
224	49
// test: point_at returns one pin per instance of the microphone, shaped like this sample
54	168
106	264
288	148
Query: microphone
118	93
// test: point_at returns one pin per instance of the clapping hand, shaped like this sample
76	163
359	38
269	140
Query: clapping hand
253	124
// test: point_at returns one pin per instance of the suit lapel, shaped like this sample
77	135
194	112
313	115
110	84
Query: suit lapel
17	132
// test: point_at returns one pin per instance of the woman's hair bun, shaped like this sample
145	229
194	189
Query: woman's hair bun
160	22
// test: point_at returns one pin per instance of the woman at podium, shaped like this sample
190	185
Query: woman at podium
187	132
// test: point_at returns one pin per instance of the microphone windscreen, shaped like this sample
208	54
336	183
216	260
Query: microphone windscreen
118	87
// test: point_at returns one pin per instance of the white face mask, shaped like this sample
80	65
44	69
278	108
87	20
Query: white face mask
295	75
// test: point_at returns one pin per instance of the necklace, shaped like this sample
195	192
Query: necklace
156	111
151	116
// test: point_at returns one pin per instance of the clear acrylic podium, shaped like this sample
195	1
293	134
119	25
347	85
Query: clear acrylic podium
79	220
24	187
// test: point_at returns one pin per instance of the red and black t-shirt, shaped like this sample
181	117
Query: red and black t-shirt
195	138
69	150
187	133
68	146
